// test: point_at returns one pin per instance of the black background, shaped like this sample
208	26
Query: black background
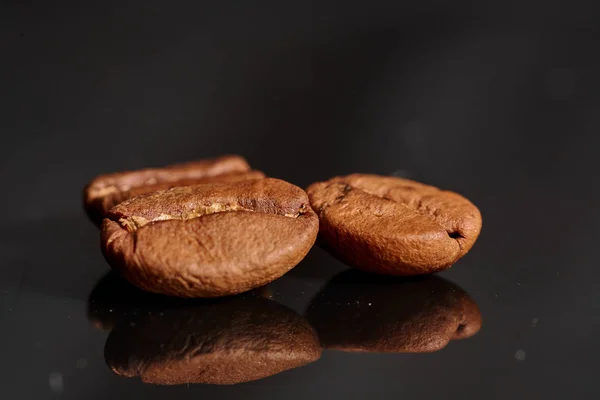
497	100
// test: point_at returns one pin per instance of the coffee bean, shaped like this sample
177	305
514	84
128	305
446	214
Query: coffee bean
106	191
393	226
210	240
359	311
223	341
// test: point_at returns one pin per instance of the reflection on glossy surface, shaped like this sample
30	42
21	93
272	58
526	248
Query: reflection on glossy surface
357	311
174	341
114	299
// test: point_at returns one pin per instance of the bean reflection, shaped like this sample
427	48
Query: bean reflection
362	312
174	341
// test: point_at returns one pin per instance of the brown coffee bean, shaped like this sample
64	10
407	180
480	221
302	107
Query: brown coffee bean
359	311
393	226
210	240
106	191
225	341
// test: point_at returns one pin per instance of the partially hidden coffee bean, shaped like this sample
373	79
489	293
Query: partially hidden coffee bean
210	240
225	341
393	226
362	312
106	191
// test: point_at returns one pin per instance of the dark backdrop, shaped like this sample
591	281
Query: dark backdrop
498	100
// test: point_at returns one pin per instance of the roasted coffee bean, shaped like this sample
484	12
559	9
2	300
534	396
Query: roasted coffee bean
106	191
210	240
363	312
393	226
218	341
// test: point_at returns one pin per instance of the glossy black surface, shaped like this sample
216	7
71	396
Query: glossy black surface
497	100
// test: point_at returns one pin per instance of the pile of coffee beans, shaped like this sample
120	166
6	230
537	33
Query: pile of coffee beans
216	227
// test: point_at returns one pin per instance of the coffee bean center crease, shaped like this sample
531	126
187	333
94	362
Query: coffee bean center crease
191	202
